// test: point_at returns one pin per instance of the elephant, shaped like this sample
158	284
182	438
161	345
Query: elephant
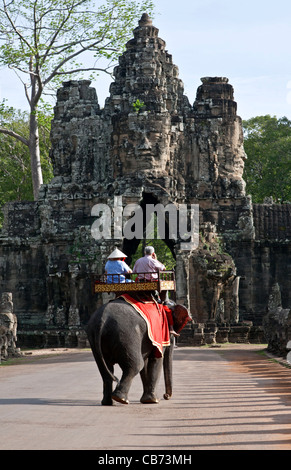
117	334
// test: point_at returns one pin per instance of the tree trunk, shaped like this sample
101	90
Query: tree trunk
36	172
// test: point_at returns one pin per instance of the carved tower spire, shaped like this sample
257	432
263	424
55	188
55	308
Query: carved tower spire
146	101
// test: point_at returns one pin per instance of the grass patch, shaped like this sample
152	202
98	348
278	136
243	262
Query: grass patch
275	360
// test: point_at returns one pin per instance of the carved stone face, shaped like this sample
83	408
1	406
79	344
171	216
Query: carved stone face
141	143
153	143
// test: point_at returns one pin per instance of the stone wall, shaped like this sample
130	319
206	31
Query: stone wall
272	221
169	151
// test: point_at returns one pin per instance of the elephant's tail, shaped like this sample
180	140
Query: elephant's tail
98	355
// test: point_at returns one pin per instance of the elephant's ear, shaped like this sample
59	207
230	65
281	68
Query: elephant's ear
181	317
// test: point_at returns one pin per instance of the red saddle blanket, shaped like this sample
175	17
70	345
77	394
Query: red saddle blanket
156	320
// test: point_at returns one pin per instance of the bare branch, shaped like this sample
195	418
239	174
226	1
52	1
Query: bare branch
84	70
72	56
55	35
5	131
21	37
58	50
15	67
26	93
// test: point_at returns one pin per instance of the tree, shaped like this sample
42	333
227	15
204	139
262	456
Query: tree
15	171
42	41
268	166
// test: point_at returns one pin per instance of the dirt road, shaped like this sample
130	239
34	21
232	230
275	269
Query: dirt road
228	398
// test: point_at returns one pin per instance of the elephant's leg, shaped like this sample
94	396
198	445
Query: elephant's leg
129	371
150	376
107	390
107	380
120	393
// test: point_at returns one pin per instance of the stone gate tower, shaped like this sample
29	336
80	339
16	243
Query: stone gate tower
166	152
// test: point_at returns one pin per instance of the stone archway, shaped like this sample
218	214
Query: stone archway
149	200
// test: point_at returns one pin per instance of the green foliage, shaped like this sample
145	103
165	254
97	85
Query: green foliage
163	252
48	36
138	106
15	168
268	166
43	41
15	178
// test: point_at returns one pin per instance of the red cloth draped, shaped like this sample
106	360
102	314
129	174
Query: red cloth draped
156	320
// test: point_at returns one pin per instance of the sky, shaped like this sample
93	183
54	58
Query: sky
246	41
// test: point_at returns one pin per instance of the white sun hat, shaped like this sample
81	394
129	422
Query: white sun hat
117	254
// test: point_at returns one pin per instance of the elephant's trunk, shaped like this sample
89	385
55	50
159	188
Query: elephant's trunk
168	368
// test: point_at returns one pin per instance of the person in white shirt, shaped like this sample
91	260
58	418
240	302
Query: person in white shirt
148	264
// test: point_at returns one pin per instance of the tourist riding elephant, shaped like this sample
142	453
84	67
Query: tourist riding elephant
118	335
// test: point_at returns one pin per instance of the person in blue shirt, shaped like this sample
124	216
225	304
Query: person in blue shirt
116	265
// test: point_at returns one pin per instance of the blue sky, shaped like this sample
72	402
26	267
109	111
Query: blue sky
247	41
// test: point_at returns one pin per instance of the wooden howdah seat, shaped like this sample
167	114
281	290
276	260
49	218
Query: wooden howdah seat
158	281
